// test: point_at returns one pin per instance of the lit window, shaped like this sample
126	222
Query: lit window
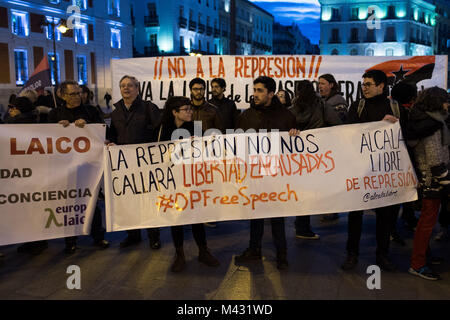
21	63
52	63
82	70
389	52
54	1
80	33
115	39
369	52
49	31
20	25
114	7
80	3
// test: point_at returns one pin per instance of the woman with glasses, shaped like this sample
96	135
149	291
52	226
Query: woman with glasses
178	114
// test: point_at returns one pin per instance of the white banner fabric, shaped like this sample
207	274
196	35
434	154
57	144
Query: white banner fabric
50	178
257	175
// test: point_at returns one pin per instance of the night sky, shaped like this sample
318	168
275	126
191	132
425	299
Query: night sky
305	13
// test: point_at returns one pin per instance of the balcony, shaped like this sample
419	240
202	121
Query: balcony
151	21
353	40
201	28
370	39
192	25
209	31
216	33
151	51
335	40
335	17
182	22
390	39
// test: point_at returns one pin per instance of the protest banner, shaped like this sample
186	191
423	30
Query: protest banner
50	177
161	77
257	175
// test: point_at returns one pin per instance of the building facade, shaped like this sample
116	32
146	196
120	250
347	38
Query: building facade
377	28
179	27
442	29
290	40
101	32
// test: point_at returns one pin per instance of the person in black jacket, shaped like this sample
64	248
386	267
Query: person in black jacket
134	121
73	111
266	112
375	107
178	115
225	107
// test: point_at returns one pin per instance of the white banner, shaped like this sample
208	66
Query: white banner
161	77
50	177
247	176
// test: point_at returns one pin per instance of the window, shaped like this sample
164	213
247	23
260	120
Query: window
354	52
390	34
54	1
116	39
369	52
391	12
81	33
354	35
49	29
389	52
20	26
355	14
82	70
114	7
52	62
80	3
21	63
151	9
181	11
153	40
335	52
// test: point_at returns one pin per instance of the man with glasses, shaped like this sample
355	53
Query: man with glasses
375	106
135	121
205	112
73	111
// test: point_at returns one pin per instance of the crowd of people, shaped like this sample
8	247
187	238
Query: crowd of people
422	116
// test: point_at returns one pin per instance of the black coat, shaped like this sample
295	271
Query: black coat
271	117
25	117
169	128
87	113
227	110
139	124
375	109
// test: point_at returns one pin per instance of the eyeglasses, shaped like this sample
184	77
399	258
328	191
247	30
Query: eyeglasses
198	89
188	109
368	84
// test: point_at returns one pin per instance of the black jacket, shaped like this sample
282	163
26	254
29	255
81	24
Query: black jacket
420	125
26	117
375	109
271	117
168	129
227	110
139	124
89	114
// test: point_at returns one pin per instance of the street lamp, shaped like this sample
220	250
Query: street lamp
63	29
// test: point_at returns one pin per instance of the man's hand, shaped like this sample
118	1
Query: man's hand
65	123
390	118
80	123
294	132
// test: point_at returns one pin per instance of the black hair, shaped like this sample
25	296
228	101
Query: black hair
305	95
287	97
268	82
221	82
197	81
173	103
431	99
378	77
404	92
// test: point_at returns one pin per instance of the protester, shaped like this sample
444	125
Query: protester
178	115
107	98
432	160
135	121
375	106
308	110
225	107
266	112
405	94
329	91
73	111
285	98
205	112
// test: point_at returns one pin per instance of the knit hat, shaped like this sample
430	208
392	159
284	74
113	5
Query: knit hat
23	104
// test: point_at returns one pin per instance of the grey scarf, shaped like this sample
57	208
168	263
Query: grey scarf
442	116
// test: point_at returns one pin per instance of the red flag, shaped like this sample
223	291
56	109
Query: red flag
40	77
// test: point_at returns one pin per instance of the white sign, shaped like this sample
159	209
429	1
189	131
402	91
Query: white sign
50	178
248	176
161	77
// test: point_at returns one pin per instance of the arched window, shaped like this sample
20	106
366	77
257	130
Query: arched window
369	52
335	52
389	52
354	52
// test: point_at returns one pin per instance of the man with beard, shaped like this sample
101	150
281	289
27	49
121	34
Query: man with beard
226	107
266	113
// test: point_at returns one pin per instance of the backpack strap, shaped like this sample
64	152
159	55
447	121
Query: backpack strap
361	105
395	108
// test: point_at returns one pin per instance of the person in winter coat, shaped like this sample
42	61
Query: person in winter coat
329	91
